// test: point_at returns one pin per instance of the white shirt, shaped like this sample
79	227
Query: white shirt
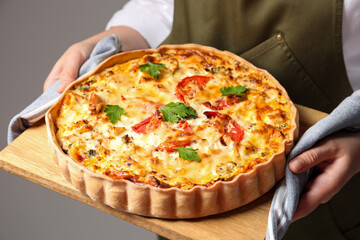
351	41
142	15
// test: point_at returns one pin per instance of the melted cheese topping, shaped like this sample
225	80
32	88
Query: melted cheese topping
239	133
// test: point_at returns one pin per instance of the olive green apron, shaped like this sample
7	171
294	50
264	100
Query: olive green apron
299	42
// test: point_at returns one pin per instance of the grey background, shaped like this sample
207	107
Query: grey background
33	35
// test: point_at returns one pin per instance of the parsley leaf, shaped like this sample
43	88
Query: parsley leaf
85	87
152	68
188	154
175	111
238	91
114	113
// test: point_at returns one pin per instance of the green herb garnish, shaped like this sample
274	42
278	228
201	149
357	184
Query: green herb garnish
114	113
91	153
152	68
85	87
188	154
175	111
238	91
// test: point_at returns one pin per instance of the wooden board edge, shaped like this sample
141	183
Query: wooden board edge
140	221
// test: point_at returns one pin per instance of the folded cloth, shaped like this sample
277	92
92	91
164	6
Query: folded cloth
105	48
286	197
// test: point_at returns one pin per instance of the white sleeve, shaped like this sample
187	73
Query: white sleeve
153	19
351	41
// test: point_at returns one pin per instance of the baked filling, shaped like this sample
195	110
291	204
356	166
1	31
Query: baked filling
178	118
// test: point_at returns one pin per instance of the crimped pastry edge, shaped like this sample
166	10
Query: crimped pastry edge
172	203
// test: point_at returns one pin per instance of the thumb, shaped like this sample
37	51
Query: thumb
70	70
310	158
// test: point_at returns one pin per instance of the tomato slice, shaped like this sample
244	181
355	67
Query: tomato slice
150	106
225	124
182	138
234	131
189	86
147	125
170	146
222	103
185	126
119	174
211	114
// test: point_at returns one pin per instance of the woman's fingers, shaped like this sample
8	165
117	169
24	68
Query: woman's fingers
70	69
54	75
320	190
67	67
311	158
336	158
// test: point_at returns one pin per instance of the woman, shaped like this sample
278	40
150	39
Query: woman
303	44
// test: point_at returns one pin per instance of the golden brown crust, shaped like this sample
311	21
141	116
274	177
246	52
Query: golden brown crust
170	202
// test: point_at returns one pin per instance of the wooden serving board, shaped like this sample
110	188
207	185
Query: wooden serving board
29	157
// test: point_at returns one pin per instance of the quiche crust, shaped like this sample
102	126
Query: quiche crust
172	202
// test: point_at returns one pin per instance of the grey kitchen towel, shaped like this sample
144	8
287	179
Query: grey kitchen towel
105	48
286	197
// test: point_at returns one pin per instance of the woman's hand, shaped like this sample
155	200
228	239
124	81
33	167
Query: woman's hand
67	67
338	159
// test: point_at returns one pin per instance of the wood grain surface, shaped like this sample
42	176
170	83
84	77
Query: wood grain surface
29	157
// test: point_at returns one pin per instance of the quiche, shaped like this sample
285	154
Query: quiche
181	131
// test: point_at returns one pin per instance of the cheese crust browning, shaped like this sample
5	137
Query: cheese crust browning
229	134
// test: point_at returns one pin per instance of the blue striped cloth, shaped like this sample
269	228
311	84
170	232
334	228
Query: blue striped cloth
286	197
